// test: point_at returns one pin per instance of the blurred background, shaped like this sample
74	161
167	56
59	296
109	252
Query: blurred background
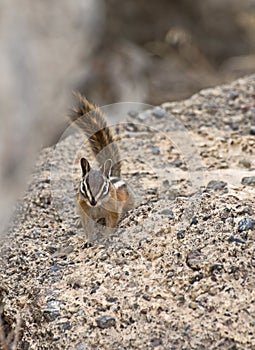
136	50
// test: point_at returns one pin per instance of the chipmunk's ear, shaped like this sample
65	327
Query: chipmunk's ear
85	167
107	168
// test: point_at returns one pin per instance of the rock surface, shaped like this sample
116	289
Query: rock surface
149	286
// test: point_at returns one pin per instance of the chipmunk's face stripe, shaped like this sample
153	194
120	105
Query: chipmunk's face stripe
94	198
85	190
103	190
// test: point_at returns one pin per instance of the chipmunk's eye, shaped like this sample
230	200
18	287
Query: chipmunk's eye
105	189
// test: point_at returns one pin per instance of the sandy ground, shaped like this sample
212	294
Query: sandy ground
179	272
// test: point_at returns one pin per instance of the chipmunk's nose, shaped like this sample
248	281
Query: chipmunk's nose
93	202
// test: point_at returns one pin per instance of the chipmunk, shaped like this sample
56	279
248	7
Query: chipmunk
103	197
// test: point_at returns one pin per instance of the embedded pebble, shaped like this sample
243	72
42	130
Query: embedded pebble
144	116
133	113
158	112
177	163
216	185
212	106
55	268
216	267
156	342
236	239
233	126
248	180
170	274
168	212
233	95
52	310
245	163
82	346
246	224
193	305
66	326
252	130
180	234
196	278
166	183
105	321
194	221
195	259
155	150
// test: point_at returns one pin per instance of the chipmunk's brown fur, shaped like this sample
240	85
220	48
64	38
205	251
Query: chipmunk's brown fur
103	195
91	120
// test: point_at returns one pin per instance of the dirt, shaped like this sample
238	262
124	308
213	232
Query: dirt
179	272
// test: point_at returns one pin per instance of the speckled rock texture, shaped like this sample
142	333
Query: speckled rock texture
179	272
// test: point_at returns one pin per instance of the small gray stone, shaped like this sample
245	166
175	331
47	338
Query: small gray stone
236	239
155	150
170	274
233	94
177	163
180	234
194	221
155	342
248	180
52	310
246	224
105	321
216	185
158	112
56	337
212	108
252	130
133	113
168	212
144	116
195	259
166	183
81	346
146	297
196	278
66	326
233	126
245	163
55	268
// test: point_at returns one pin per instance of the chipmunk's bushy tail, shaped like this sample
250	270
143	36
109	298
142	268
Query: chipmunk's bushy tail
90	119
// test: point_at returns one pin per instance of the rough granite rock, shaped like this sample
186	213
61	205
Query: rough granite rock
149	286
